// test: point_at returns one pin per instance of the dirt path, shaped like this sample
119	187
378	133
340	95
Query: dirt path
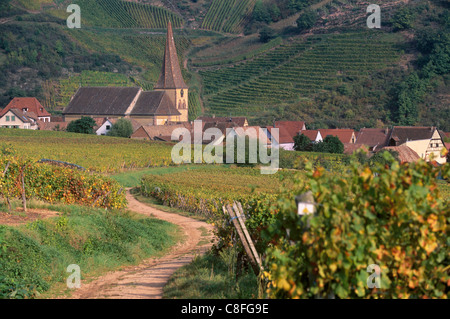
146	281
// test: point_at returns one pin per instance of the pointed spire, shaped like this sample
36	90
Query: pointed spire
170	77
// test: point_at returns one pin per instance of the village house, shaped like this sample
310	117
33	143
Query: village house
28	105
285	140
313	135
167	103
373	138
252	132
344	135
15	118
425	141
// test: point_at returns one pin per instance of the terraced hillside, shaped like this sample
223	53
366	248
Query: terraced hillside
296	70
228	15
120	14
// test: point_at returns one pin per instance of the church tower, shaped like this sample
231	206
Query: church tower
171	80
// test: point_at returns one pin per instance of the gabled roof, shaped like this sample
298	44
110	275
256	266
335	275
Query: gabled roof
52	126
292	127
170	77
222	126
30	103
405	153
373	137
253	132
19	115
102	101
240	120
154	103
402	134
154	131
311	134
344	135
283	135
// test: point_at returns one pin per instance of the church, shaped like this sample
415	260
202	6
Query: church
167	103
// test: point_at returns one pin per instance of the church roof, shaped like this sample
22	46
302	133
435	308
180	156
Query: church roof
155	103
102	100
170	77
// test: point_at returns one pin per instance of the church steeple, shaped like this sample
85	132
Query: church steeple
170	77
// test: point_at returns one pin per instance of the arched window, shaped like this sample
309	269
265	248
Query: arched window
182	92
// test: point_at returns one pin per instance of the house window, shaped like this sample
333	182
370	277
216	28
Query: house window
13	118
108	127
7	118
182	93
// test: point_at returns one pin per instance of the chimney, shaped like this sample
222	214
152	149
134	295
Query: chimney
214	116
386	130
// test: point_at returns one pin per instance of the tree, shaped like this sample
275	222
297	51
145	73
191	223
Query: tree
85	125
307	20
403	19
302	143
122	128
330	144
266	34
261	13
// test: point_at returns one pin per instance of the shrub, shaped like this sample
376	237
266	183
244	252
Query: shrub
393	217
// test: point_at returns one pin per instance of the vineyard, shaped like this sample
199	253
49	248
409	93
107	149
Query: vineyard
59	93
123	14
228	16
100	154
204	191
143	50
295	70
25	179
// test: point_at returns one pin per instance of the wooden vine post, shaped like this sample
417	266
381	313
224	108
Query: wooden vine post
24	198
237	215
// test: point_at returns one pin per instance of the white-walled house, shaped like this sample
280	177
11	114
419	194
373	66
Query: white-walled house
28	105
313	135
284	140
14	118
425	141
105	127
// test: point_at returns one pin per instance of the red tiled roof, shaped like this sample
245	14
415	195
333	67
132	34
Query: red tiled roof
30	103
344	135
373	137
311	134
283	135
292	127
405	153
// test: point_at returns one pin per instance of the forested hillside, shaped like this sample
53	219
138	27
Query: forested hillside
266	59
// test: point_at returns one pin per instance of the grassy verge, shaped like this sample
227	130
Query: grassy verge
213	277
34	257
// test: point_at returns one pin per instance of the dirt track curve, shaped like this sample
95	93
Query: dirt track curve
146	281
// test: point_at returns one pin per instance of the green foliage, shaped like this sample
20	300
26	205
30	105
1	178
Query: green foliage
307	20
122	128
302	143
210	276
85	125
35	256
394	217
57	184
330	144
409	93
266	34
403	19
